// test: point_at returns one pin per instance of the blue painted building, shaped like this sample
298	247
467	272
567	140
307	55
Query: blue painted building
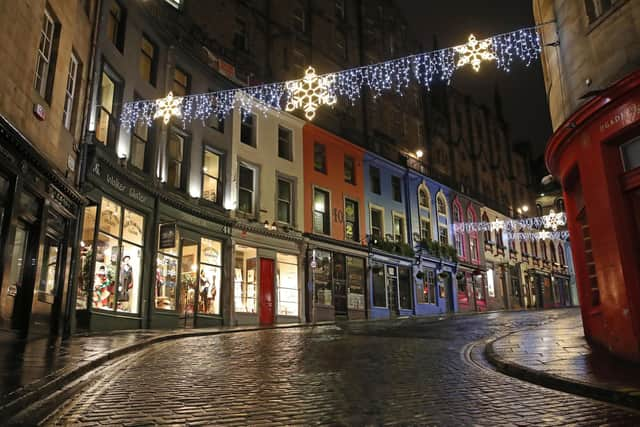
391	290
434	269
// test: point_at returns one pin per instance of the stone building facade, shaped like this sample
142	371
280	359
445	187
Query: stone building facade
46	65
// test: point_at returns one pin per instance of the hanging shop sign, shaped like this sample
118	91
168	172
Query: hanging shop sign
167	236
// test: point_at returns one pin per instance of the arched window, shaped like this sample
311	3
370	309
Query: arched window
457	219
563	260
552	248
560	205
423	197
523	246
534	247
543	246
441	204
442	219
486	233
538	209
473	236
499	241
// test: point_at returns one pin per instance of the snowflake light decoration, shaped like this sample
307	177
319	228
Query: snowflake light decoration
474	52
310	92
168	107
554	220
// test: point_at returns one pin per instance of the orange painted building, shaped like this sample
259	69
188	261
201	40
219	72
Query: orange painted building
334	220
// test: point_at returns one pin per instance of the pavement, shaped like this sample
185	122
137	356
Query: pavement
557	355
404	371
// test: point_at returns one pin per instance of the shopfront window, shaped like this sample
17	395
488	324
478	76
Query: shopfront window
118	259
379	288
443	281
244	279
287	284
210	276
322	277
355	283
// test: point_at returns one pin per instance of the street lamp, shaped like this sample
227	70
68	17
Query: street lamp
419	154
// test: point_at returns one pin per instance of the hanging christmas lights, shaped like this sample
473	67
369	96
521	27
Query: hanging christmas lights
541	235
552	220
168	107
474	52
311	91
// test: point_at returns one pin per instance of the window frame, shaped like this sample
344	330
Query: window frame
376	184
289	140
184	161
352	160
118	37
70	99
396	188
291	201
320	149
356	222
174	82
429	231
206	148
255	174
403	231
135	137
326	214
43	84
116	103
251	124
153	60
380	209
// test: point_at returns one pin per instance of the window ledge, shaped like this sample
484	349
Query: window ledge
600	19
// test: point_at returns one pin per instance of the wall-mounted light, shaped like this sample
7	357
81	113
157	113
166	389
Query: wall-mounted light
419	154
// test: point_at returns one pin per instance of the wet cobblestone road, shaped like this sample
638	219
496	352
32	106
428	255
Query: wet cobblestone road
405	371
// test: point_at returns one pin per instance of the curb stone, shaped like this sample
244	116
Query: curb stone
627	399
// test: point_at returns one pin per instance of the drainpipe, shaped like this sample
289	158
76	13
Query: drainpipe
77	228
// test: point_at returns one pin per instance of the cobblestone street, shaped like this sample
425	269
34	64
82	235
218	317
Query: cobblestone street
409	371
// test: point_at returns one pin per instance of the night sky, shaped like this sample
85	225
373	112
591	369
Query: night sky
523	94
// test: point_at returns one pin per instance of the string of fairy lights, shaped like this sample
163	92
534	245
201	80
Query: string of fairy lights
536	228
312	91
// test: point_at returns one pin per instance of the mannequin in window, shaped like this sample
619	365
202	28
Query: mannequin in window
126	279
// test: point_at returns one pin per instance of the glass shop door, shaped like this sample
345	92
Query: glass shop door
188	282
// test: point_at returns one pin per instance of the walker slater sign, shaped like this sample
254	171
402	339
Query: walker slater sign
110	178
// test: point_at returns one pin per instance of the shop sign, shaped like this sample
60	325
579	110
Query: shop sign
167	236
39	112
61	199
115	182
619	118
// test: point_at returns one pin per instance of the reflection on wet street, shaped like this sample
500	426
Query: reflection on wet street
405	371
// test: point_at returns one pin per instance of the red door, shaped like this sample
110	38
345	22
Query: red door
266	291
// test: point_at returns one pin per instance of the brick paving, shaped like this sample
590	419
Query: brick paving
410	371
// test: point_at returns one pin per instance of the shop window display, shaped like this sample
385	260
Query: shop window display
322	277
355	283
210	276
287	284
118	259
244	279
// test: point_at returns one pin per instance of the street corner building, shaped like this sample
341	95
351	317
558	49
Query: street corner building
594	99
